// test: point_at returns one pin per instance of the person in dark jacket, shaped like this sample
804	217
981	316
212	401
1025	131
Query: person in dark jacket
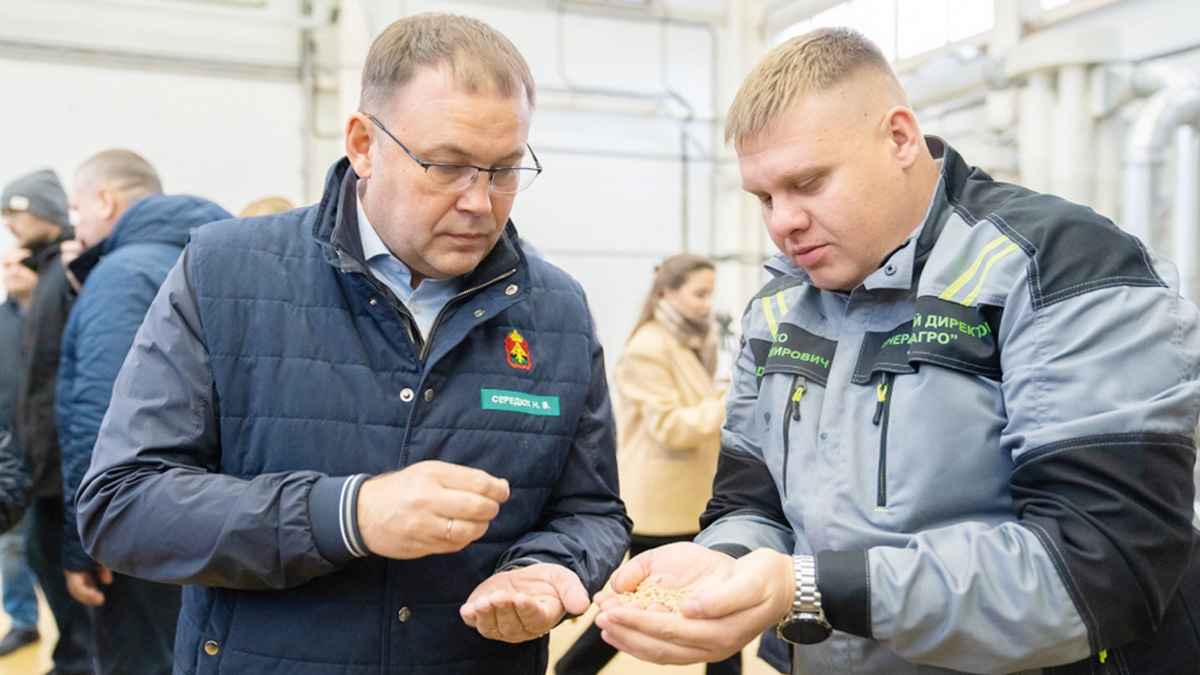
34	208
372	434
17	581
131	235
14	481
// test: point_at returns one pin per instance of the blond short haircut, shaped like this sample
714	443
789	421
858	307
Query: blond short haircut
476	54
813	62
121	170
266	206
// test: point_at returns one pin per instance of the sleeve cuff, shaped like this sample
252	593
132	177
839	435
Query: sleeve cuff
333	512
845	584
731	550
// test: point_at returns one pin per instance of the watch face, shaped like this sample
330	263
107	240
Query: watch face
804	630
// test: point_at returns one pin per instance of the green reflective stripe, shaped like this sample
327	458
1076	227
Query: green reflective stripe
987	268
770	314
782	304
515	401
967	276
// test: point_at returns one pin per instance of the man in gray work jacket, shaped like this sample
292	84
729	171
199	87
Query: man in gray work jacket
372	434
960	432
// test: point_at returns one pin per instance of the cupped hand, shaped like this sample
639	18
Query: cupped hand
524	603
730	602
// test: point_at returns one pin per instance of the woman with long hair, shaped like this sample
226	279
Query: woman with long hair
669	413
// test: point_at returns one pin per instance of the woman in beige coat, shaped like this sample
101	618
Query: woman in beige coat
669	413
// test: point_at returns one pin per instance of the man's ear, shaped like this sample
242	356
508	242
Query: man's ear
904	134
110	204
359	135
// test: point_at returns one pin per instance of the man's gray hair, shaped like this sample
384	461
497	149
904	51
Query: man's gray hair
476	55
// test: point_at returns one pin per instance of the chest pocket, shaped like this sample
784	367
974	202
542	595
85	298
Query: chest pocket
941	333
794	351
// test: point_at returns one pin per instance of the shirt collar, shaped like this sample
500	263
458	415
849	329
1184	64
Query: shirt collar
373	246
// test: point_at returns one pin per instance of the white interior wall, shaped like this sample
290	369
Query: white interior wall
609	128
218	95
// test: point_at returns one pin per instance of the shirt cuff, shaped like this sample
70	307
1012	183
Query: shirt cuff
333	512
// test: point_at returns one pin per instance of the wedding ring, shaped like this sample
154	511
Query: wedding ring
449	524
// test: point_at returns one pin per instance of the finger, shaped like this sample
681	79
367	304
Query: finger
475	481
466	505
629	575
762	579
536	615
571	593
649	647
508	622
82	588
661	626
105	575
455	534
468	614
485	618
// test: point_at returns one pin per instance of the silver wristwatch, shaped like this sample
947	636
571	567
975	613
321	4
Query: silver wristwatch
806	623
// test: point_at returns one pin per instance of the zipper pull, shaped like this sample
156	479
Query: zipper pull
796	399
881	393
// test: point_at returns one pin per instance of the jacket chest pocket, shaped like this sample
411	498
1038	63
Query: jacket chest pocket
958	344
801	360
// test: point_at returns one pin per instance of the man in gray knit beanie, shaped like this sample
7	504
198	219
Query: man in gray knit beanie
40	195
34	208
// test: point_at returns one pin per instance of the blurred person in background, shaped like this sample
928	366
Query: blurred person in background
669	412
266	206
14	482
34	208
130	234
17	580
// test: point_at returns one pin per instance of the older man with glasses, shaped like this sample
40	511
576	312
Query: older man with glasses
372	435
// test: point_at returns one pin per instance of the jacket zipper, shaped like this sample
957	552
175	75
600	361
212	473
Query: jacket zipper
883	407
791	413
461	294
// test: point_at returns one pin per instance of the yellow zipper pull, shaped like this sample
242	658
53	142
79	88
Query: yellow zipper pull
796	400
881	395
1103	655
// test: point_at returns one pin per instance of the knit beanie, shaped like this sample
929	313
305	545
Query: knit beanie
39	193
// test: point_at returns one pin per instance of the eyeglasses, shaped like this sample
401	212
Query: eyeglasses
457	177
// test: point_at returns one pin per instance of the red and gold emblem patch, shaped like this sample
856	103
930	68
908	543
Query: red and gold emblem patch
518	351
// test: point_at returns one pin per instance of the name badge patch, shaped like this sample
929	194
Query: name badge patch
515	401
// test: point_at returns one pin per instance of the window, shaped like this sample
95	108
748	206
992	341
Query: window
905	28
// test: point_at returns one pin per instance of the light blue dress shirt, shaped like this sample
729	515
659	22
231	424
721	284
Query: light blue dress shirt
426	300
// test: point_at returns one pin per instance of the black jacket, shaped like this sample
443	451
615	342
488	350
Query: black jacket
33	417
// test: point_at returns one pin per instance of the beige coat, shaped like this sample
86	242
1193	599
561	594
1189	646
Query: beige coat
669	415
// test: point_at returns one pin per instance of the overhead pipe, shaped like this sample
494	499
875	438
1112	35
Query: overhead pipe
1175	104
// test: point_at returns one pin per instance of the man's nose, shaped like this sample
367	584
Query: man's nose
477	198
787	218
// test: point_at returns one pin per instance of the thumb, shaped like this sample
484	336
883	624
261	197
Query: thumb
756	579
571	592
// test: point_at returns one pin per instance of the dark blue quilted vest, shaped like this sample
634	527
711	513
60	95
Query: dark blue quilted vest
313	369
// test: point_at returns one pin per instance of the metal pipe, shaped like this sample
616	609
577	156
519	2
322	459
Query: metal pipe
1185	210
1033	134
1153	131
1072	161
